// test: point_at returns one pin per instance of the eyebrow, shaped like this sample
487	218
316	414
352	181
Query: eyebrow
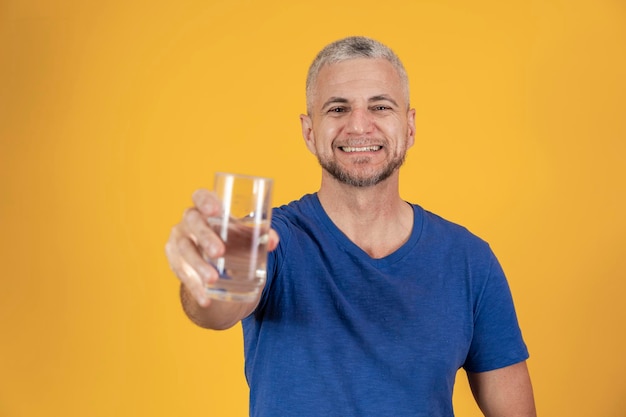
383	97
334	100
373	99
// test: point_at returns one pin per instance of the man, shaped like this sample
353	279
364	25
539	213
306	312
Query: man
371	304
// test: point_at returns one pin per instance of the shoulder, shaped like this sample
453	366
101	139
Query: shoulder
296	207
439	229
297	213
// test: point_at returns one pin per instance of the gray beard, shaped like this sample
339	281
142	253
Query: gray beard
346	178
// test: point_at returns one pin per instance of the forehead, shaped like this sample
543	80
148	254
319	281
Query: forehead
360	77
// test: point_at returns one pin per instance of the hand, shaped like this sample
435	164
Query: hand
192	240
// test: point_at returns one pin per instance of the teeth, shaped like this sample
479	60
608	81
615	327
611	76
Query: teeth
360	149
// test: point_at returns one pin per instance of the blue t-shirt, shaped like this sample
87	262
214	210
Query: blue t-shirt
338	333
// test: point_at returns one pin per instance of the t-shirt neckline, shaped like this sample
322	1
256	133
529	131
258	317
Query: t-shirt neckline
352	248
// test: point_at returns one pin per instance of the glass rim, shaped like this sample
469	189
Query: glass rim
242	176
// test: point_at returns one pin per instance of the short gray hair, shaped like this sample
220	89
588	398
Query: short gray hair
351	48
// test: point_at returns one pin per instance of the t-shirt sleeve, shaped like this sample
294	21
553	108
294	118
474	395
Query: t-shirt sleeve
275	257
497	339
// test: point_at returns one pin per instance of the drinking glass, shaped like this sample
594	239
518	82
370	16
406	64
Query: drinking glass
243	225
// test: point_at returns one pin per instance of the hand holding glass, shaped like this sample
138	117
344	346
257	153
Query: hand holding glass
243	225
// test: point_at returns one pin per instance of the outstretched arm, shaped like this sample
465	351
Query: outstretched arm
190	241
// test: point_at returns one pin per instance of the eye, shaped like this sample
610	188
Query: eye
336	110
381	107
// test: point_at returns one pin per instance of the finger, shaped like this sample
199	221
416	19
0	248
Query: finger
197	228
194	284
188	298
206	202
190	268
273	240
194	265
181	248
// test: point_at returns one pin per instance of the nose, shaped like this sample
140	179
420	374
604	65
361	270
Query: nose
359	122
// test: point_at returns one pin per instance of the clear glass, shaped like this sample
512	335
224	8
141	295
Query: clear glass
243	225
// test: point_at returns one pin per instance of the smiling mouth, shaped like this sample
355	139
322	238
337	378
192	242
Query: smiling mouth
349	149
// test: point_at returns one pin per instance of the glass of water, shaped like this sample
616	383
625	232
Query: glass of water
243	225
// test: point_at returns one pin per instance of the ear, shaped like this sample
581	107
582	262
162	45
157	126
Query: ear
410	135
307	132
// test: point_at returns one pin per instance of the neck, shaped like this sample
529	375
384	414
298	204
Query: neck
375	218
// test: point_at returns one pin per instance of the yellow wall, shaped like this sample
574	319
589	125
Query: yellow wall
112	113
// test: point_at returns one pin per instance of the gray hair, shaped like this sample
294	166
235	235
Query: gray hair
351	48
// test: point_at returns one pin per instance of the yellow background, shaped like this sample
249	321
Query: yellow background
112	113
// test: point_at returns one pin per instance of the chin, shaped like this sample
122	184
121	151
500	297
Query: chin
361	177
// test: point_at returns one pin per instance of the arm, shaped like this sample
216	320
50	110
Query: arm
189	243
504	392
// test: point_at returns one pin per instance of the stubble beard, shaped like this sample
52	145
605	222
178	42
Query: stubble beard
348	178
